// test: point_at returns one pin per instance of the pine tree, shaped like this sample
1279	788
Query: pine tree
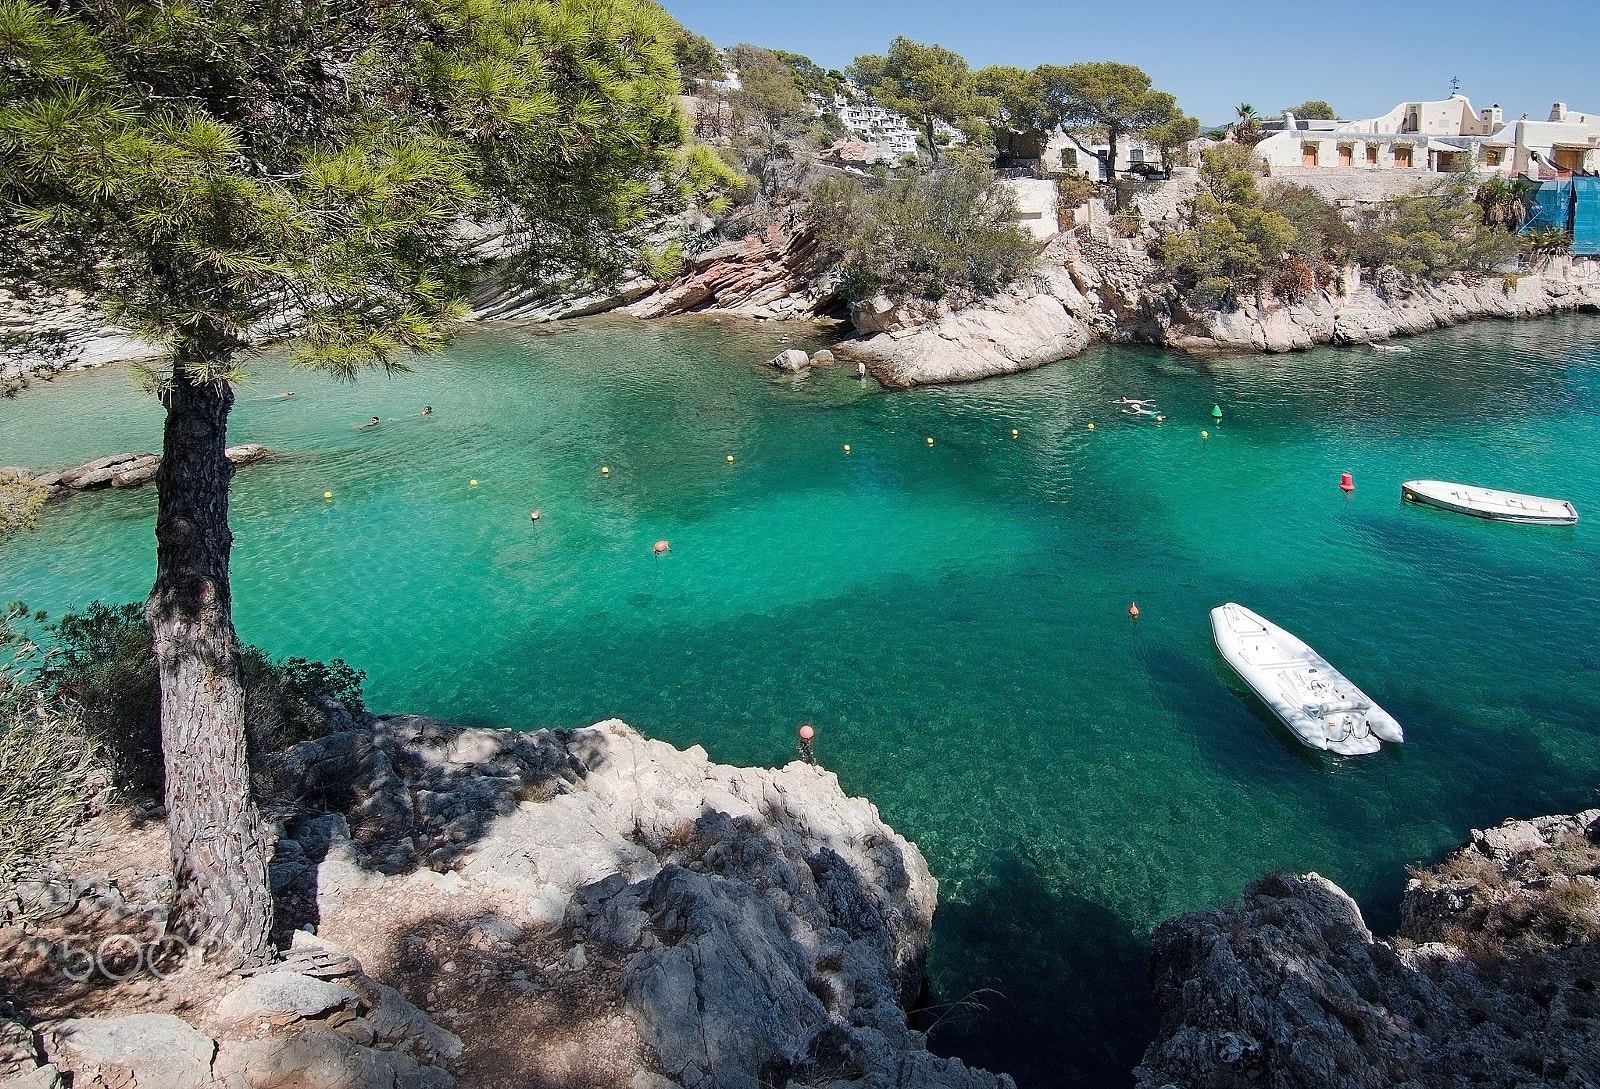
212	171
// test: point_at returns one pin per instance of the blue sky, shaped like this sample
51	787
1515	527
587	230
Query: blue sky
1362	56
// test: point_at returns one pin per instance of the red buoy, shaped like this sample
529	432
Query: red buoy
661	546
1133	610
806	731
1346	483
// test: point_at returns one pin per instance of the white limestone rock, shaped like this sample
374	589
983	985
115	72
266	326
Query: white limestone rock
147	1050
1030	326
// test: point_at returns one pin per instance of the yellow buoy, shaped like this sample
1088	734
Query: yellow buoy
730	457
930	441
1013	432
472	483
605	468
1091	427
1205	434
327	495
847	448
1159	419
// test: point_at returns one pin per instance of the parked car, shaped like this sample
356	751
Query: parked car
1147	170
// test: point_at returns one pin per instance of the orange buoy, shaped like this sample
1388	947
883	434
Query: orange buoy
806	731
1133	610
1347	483
662	546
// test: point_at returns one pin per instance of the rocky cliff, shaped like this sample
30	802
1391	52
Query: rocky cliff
1491	980
577	908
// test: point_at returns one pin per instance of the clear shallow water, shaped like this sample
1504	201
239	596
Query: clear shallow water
953	618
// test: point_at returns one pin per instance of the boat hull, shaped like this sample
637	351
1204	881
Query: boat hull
1490	503
1315	701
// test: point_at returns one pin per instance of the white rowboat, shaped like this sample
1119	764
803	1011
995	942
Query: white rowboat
1489	503
1297	684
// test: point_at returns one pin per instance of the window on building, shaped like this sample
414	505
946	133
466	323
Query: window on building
1372	154
1492	156
1136	155
1308	153
1402	156
1346	154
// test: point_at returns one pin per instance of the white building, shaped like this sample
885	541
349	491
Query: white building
1439	137
892	133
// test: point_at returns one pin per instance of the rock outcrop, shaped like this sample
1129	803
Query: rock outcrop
775	274
119	470
767	926
1043	319
687	924
1491	981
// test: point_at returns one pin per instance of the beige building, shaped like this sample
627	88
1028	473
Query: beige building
1437	137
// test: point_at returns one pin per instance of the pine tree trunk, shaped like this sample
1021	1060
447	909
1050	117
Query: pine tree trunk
219	845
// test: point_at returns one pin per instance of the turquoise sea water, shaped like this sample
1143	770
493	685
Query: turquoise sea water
954	617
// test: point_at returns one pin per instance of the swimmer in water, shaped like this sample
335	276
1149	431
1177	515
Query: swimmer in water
427	410
286	393
374	422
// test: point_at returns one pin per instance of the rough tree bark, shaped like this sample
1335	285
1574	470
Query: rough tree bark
219	844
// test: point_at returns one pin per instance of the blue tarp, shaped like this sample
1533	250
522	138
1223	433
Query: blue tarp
1550	205
1586	215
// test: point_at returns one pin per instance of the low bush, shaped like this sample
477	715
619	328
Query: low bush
51	773
946	231
103	665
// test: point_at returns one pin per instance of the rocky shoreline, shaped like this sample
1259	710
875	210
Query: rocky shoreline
582	908
488	908
1085	287
1491	979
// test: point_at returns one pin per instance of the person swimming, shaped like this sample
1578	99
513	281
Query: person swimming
374	422
427	410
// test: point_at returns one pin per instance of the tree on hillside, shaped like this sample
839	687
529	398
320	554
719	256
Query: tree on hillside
1170	138
1104	100
212	168
927	83
1229	240
698	59
770	113
948	230
1014	98
1313	109
1247	129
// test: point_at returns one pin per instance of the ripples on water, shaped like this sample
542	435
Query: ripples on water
954	617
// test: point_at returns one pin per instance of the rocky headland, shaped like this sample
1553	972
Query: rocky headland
1491	979
490	908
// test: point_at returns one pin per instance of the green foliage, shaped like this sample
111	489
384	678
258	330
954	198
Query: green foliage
207	167
51	775
929	233
20	504
697	58
1501	202
1013	98
1313	110
927	83
1229	239
102	665
1432	232
1549	240
1321	231
1105	100
1171	136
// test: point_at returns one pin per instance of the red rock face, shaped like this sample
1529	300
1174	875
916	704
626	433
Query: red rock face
766	275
